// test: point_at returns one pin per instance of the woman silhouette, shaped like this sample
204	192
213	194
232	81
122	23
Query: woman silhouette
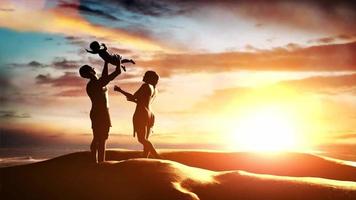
143	118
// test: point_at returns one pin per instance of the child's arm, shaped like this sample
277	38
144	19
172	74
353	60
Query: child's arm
93	52
129	96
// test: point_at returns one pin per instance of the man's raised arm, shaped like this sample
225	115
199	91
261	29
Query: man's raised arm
105	77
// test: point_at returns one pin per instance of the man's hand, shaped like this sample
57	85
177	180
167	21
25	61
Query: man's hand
118	69
123	67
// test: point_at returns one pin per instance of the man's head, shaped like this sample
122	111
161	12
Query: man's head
87	72
151	77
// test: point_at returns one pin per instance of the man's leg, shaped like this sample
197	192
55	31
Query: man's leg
102	143
101	150
93	149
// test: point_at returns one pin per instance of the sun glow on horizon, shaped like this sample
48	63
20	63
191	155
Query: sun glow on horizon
265	130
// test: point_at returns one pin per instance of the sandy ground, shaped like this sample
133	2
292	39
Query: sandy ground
182	175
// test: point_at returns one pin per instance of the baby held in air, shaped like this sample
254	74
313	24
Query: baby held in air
114	59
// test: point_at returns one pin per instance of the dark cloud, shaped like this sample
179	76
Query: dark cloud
32	64
63	63
155	8
88	10
293	46
71	37
328	15
72	92
4	100
77	41
9	114
328	40
35	64
5	82
347	136
68	79
19	137
70	83
8	91
251	48
259	25
334	17
7	9
345	36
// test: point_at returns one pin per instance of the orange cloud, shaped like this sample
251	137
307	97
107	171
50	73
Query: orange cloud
333	57
324	84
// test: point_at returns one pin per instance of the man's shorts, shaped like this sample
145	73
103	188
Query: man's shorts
101	133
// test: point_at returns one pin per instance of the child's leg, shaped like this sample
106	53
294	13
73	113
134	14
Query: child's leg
127	61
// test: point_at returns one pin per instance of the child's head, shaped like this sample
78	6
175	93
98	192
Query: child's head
87	72
95	46
151	77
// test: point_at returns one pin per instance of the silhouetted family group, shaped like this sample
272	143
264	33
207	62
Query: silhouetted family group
143	118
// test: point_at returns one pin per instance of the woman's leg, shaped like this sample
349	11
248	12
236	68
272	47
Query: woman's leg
141	139
147	145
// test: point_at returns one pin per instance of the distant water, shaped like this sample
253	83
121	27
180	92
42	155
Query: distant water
12	161
19	156
25	155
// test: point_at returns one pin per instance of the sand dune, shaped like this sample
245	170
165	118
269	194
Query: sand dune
129	177
283	164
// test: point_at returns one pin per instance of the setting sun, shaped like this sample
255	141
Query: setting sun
267	129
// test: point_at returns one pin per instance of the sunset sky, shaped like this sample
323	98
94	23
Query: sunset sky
235	75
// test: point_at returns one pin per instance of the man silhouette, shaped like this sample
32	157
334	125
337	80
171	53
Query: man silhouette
99	113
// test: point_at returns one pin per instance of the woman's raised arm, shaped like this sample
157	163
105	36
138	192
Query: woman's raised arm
129	96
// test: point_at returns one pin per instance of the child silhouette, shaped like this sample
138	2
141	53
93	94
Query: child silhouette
113	59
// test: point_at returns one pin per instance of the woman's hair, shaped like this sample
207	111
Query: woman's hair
84	71
94	45
151	77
